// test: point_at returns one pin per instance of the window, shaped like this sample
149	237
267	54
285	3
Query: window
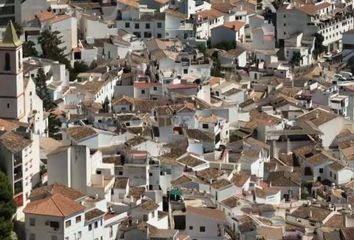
205	126
330	173
19	60
147	34
68	223
78	219
320	170
143	91
7	66
137	26
90	227
137	34
32	222
54	225
159	25
335	176
155	88
150	174
159	35
185	71
32	236
79	235
127	24
190	227
202	229
96	224
147	26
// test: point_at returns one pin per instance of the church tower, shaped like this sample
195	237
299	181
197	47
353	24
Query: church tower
12	102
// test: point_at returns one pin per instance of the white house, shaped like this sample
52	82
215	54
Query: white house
74	166
204	223
228	32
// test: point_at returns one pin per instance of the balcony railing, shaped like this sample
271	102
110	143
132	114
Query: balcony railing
17	176
17	161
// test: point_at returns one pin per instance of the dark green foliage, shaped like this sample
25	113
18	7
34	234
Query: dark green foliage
42	90
350	64
202	48
79	67
54	127
225	45
7	207
50	42
216	69
295	60
319	48
29	49
18	28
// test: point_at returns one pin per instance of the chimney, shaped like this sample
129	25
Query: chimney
310	214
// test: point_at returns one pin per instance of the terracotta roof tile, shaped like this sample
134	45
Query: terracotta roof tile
206	212
14	142
56	205
78	133
46	191
235	25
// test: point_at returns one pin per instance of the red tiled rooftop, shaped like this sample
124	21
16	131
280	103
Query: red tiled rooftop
182	86
144	85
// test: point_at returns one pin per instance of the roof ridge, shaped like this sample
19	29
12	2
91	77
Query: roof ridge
52	198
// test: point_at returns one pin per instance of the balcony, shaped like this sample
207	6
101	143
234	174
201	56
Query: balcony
17	161
17	176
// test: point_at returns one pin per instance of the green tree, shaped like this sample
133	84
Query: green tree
319	48
7	207
54	127
18	28
42	90
79	67
225	45
350	64
216	69
29	50
296	59
202	48
50	42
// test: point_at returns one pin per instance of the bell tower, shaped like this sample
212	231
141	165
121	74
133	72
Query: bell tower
12	102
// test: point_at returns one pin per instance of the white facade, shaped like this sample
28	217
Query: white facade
68	31
81	170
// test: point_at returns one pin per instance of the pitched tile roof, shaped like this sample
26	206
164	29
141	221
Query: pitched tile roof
206	212
56	205
46	191
78	133
313	213
210	14
231	202
190	160
318	116
120	182
235	25
220	183
14	142
93	214
240	178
